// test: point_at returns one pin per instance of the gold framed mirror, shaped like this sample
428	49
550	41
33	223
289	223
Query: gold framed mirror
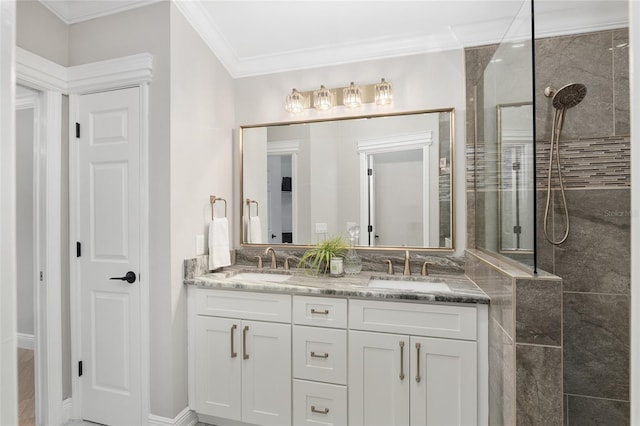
383	181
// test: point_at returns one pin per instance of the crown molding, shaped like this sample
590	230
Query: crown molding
120	72
42	74
83	11
39	73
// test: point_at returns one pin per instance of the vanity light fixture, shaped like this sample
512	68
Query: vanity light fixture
352	96
294	102
323	99
383	93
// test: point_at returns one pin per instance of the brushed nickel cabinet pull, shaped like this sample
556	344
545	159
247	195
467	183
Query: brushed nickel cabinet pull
315	410
418	378
245	355
233	351
315	355
402	360
325	312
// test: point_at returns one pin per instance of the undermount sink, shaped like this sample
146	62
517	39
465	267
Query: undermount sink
408	285
260	277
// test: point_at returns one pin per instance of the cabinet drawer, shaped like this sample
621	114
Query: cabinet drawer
319	403
455	322
244	304
321	311
320	354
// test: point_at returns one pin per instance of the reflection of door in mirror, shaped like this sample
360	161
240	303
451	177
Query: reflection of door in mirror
396	199
280	198
515	143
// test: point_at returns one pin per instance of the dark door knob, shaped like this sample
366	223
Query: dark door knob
130	277
273	235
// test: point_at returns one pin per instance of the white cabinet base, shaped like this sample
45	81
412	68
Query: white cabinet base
319	404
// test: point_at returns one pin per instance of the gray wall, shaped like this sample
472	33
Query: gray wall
39	31
26	252
592	305
594	262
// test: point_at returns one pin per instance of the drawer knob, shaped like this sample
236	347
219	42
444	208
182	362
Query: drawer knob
324	312
315	410
315	355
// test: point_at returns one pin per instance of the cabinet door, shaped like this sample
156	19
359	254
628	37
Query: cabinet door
443	382
378	379
266	373
218	377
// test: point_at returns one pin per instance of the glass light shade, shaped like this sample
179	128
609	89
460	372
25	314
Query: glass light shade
322	99
352	96
294	102
383	95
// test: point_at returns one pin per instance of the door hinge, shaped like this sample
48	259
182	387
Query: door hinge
77	130
41	276
370	228
78	249
369	172
79	368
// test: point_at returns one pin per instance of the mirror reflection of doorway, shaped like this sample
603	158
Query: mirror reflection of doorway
396	191
280	198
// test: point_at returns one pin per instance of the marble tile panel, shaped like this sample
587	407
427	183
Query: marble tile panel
539	312
596	345
621	81
584	58
595	412
498	286
544	249
471	219
539	395
501	377
565	417
596	256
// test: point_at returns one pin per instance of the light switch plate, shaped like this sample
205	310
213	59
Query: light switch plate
321	228
199	244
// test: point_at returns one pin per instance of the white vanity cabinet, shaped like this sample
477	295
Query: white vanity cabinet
260	358
319	361
242	356
402	377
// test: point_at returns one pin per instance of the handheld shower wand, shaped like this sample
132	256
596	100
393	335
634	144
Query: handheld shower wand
562	99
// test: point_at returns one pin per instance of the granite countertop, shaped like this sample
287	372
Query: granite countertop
460	289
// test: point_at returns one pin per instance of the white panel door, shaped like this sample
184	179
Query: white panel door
108	185
218	367
266	373
378	379
443	382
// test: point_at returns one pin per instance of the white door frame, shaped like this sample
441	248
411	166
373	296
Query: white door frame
366	147
292	148
35	101
53	81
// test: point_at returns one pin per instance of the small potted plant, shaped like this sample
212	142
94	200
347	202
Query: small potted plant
318	258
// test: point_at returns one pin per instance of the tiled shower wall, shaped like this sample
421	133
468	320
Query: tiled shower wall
594	262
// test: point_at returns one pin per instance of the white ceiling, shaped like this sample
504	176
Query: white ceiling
261	37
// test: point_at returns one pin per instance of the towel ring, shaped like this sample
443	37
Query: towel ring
212	200
249	201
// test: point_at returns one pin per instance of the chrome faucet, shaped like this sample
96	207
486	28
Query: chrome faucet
407	265
274	263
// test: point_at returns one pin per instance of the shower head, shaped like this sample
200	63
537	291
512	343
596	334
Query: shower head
567	96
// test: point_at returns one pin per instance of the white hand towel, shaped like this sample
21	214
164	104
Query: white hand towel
255	231
219	243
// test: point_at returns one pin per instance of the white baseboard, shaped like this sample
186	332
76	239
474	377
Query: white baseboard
185	418
67	408
26	341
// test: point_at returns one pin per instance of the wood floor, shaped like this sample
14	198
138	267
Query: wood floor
26	388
